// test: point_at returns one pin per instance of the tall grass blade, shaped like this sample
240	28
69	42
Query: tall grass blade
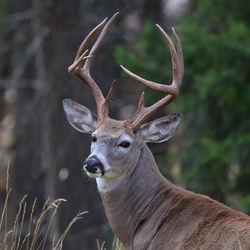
30	223
21	226
55	204
16	223
61	239
4	214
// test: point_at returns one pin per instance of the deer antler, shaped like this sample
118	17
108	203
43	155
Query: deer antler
84	72
143	113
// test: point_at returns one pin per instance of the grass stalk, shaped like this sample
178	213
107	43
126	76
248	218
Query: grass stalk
16	224
55	205
61	239
30	222
16	238
44	212
4	215
102	246
21	226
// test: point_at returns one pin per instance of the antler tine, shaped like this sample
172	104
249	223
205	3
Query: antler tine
180	55
110	93
175	61
88	39
82	51
96	45
143	113
84	72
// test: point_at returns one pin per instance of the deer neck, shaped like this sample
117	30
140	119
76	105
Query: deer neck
134	199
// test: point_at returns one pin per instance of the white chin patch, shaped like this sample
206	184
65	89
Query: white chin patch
107	184
94	175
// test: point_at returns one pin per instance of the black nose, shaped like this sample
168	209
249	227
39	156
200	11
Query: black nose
93	165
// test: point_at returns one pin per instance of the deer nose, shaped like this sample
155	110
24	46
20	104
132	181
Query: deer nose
93	165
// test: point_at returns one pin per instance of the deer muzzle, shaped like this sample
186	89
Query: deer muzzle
93	166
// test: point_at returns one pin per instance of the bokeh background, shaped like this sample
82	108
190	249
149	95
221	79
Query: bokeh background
38	40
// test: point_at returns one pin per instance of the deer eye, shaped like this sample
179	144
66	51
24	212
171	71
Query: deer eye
94	138
124	144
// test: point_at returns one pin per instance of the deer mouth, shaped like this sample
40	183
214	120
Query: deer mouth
94	175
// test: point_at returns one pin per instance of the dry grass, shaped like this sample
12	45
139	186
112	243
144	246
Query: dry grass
116	245
36	234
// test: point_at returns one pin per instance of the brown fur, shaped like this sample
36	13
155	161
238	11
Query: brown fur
146	211
114	128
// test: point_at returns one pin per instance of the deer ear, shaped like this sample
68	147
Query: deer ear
159	130
79	116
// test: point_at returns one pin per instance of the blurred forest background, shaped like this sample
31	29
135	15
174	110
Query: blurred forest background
38	41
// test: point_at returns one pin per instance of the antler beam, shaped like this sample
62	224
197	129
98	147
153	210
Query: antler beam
143	113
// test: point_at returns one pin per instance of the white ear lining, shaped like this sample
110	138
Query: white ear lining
80	117
160	130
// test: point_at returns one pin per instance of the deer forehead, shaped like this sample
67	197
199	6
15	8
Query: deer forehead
114	129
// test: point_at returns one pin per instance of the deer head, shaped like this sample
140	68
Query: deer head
116	145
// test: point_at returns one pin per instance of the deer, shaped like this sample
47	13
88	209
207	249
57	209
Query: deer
144	209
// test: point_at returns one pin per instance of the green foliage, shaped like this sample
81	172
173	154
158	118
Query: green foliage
214	98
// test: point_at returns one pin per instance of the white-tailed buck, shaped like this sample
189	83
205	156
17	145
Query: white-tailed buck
145	210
